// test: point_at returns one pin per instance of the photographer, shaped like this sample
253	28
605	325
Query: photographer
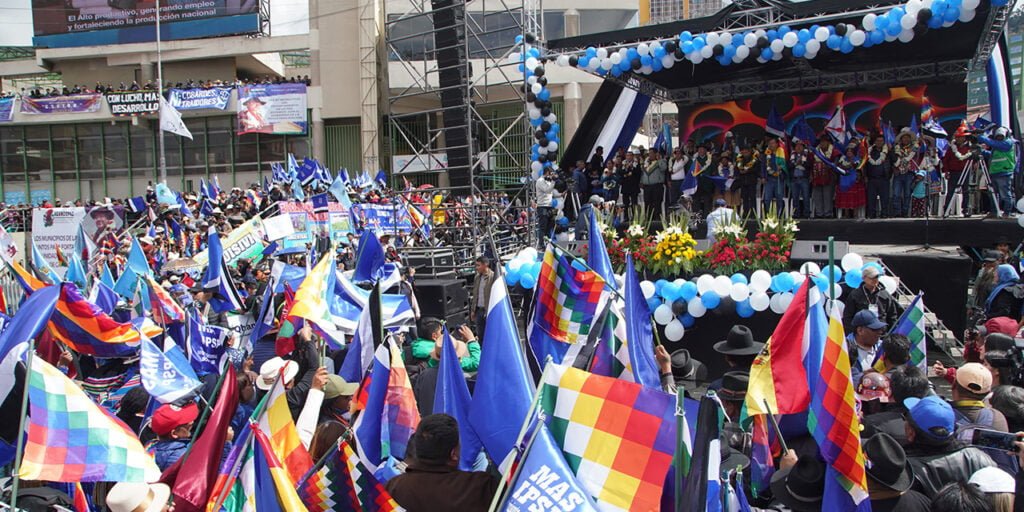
545	188
954	162
1001	167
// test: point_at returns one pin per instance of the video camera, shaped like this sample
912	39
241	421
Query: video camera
1009	362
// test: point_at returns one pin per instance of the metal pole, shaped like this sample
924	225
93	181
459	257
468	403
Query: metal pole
160	89
24	411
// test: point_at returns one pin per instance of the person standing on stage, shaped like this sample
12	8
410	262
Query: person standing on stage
545	189
906	155
746	179
823	179
629	177
877	172
800	186
850	194
653	181
774	176
954	163
701	167
923	178
675	186
1001	168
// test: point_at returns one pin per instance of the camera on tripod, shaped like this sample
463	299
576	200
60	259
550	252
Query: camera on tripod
1010	363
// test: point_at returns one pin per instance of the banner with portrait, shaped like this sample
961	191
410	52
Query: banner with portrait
382	219
272	108
74	104
6	109
197	99
307	224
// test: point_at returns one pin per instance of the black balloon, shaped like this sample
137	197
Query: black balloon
545	126
553	155
787	53
573	60
544	142
670	46
531	97
542	158
530	38
538	103
539	134
546	111
718	50
678	54
539	70
762	42
725	307
924	15
920	29
841	30
636	64
679	307
543	81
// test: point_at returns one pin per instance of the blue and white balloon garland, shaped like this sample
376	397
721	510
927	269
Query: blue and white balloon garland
901	23
544	152
676	305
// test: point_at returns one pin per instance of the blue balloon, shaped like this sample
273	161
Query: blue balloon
739	278
853	278
685	36
687	320
659	285
767	54
533	52
831	272
724	60
528	281
671	292
601	71
729	51
834	42
688	291
645	60
710	300
783	30
583	61
881	271
591	51
776	285
799	50
554	202
555	127
821	283
656	65
522	68
687	47
785	281
519	39
940	6
616	71
882	22
512	278
737	39
534	268
846	47
1000	3
744	310
952	14
653	303
803	35
698	43
831	30
894	29
659	52
937	20
544	94
772	34
877	36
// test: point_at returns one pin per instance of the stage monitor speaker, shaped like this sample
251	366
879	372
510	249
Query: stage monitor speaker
442	298
453	75
817	250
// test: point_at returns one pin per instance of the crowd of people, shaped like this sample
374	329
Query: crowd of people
151	85
869	177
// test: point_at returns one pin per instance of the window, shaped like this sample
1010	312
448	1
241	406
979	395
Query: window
90	151
144	150
115	140
63	153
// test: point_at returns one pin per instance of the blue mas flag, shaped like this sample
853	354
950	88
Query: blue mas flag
138	204
76	272
381	179
297	192
320	203
42	267
803	131
218	279
775	125
504	387
369	258
597	254
106	277
205	345
545	481
30	320
166	376
137	266
639	336
104	297
451	397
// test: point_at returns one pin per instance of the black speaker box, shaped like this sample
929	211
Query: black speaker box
442	298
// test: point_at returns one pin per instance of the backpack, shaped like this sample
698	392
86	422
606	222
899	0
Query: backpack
1004	460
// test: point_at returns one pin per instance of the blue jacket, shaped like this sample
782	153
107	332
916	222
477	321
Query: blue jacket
168	452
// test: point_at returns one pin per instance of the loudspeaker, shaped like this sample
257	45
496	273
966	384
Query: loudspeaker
453	75
443	298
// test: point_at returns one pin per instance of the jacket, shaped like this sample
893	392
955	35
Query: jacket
421	349
166	453
545	189
439	488
654	173
488	281
1004	158
859	300
932	471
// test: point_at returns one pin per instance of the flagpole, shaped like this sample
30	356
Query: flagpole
519	467
160	91
21	425
832	273
677	502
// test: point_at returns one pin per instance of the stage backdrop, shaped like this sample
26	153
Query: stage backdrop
746	118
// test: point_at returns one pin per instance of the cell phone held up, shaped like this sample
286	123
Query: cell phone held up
994	439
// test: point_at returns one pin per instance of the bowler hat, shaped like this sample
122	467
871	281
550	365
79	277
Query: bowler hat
734	385
683	366
739	342
888	464
802	486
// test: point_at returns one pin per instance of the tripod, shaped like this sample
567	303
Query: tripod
927	216
976	163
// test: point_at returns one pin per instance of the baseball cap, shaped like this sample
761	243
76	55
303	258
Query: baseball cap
868	318
336	386
990	256
993	480
270	370
932	416
974	377
167	417
1002	325
720	202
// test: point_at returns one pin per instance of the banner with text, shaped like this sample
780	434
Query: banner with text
6	109
133	103
272	108
306	224
382	219
197	99
75	104
245	241
53	227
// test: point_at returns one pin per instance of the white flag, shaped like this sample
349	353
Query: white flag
836	126
170	120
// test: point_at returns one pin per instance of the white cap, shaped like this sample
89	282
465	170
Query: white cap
993	480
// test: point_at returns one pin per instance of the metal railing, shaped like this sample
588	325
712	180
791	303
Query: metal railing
944	338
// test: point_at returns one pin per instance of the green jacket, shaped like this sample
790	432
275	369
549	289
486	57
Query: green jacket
1003	162
421	349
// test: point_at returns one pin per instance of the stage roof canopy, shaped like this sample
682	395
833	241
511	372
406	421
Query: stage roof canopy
941	55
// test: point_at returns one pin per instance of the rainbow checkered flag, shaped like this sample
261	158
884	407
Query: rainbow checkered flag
567	305
71	439
617	437
911	325
346	486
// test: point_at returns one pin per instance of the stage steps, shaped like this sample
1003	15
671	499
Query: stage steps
941	335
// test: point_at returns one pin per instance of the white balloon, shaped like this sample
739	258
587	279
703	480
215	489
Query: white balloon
1020	221
668	61
760	281
759	301
777	46
696	58
927	3
593	64
775	303
869	21
707	51
602	53
744	51
798	278
704	283
810	55
739	292
648	288
837	290
969	5
813	46
606	64
890	38
562	60
908	21
777	56
1020	205
543	150
552	146
810	268
851	261
531	64
696	308
790	39
643	49
663	314
534	113
679	281
515	57
787	299
736	59
967	15
749	40
857	37
551	118
760	33
821	35
913	7
722	285
814	295
647	70
674	330
711	39
889	283
906	36
654	45
616	58
536	88
536	166
532	79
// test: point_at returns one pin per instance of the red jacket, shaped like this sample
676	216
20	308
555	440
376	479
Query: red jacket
950	162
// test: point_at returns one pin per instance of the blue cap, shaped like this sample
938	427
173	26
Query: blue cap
563	221
720	202
868	318
932	416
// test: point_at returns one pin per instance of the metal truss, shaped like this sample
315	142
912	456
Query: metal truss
936	71
996	23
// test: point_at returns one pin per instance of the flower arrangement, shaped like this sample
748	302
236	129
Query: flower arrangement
674	249
729	253
769	250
